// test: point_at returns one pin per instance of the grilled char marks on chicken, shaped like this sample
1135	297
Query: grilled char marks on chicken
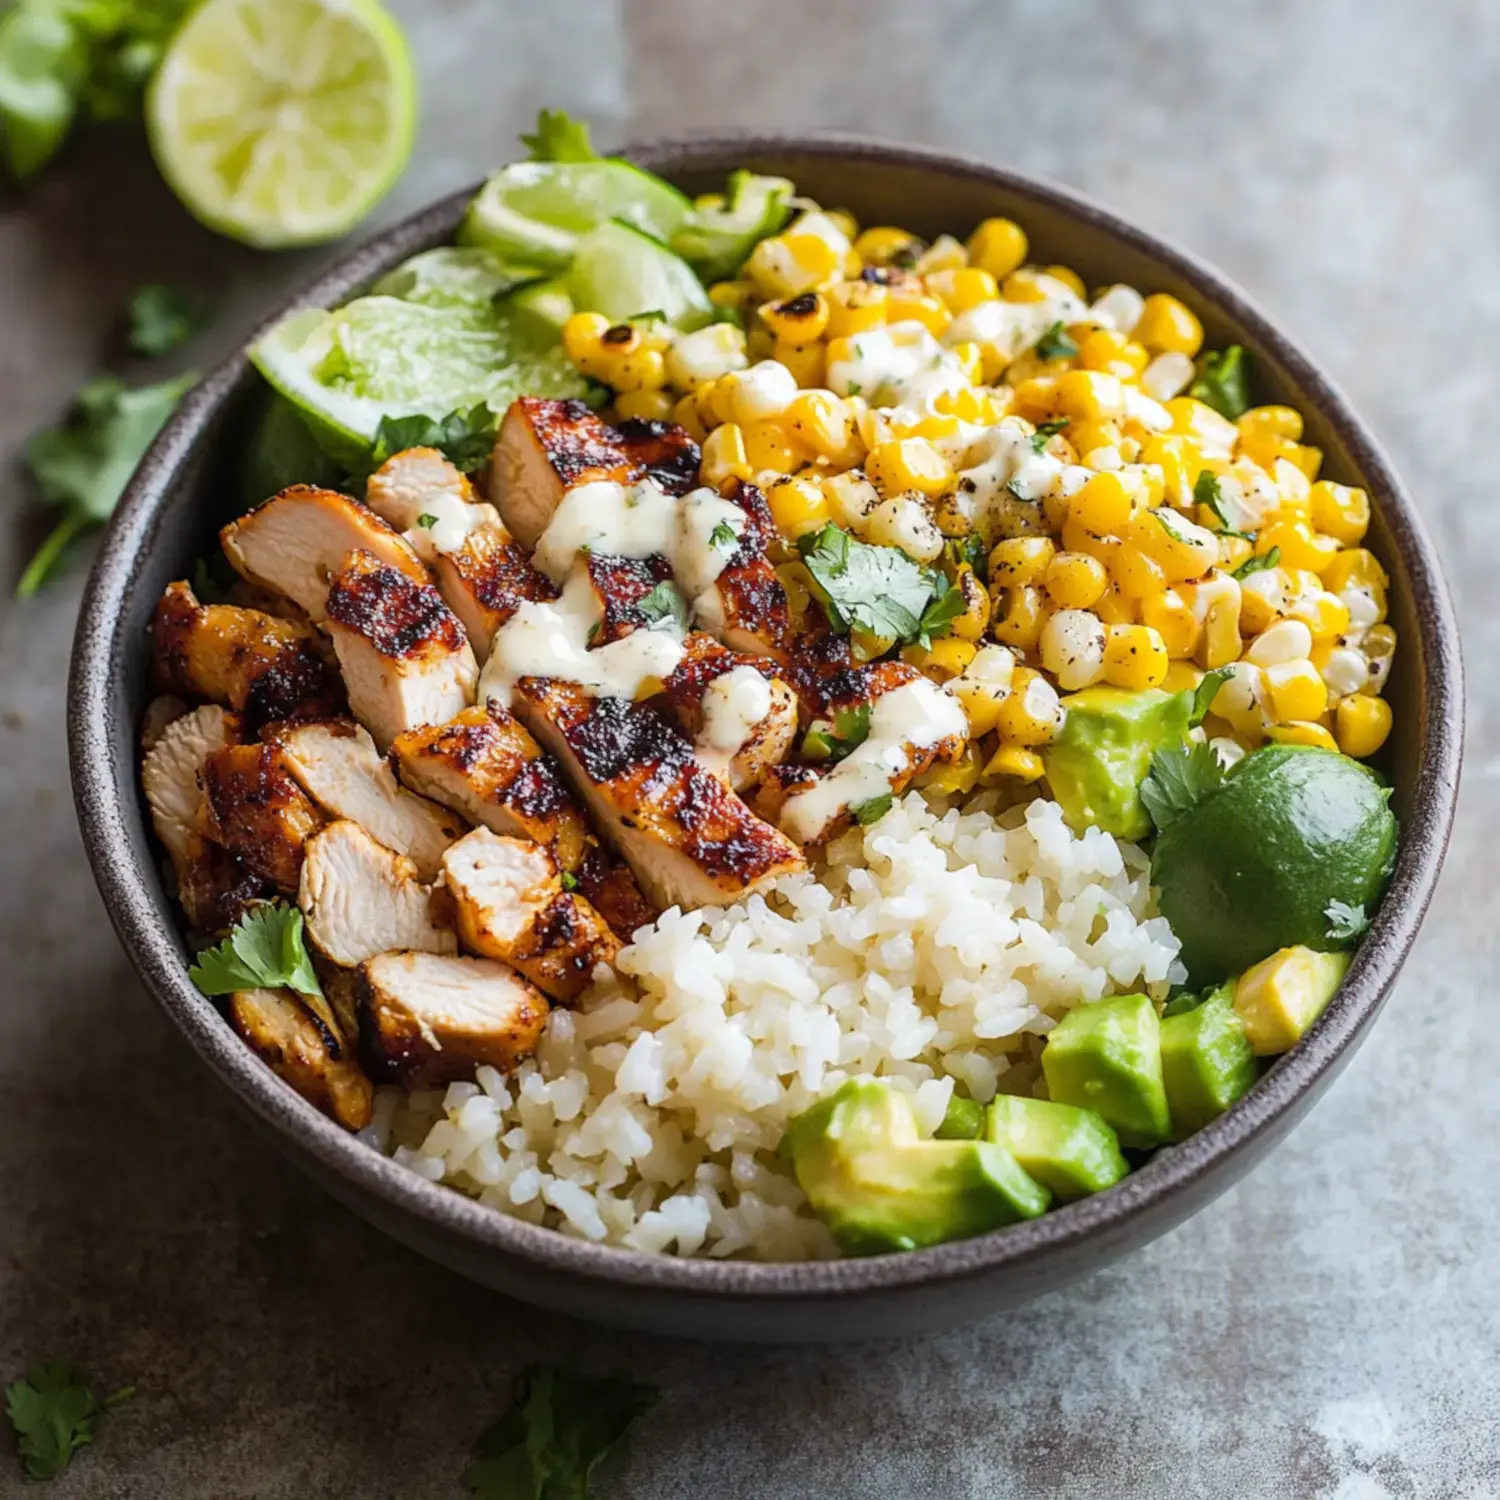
688	838
487	580
486	766
609	886
747	607
621	583
254	808
262	667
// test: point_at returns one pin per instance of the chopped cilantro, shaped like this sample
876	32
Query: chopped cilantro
1205	693
873	810
853	388
160	318
1206	493
879	590
651	315
464	438
732	315
54	1412
1055	344
265	951
1179	778
664	605
938	617
851	728
558	137
1184	1001
1224	382
724	539
568	880
1258	564
1045	432
1345	922
968	551
427	520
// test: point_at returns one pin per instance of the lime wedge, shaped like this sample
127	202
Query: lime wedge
283	122
453	277
719	237
620	272
536	210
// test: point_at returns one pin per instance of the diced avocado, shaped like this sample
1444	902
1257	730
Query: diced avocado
1284	994
964	1120
1207	1061
1070	1150
1096	764
880	1187
1106	1055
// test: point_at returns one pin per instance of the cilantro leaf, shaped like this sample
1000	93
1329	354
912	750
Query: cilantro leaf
427	520
464	438
1224	382
664	603
548	1444
1206	493
1055	344
1258	564
734	315
1205	693
83	465
54	1413
213	578
724	539
160	318
1345	922
568	880
1184	1001
559	137
1045	432
265	951
879	590
873	810
938	617
969	550
1179	778
850	729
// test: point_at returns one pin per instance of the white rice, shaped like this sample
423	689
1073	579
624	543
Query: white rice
933	949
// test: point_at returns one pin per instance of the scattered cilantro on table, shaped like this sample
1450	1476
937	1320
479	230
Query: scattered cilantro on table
54	1413
160	318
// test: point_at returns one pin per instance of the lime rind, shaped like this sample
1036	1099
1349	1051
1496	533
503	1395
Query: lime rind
621	272
454	276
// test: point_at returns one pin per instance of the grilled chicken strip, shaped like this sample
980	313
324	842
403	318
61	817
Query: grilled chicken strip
688	838
160	711
297	1048
211	884
427	1019
255	809
486	766
511	906
360	898
746	606
609	886
405	658
260	666
546	447
298	539
341	770
482	573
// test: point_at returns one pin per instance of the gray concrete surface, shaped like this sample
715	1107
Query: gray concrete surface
1329	1329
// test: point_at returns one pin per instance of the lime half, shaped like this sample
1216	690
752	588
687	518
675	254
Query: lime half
283	122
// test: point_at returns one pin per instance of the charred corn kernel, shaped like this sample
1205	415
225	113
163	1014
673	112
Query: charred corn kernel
1014	761
1362	724
685	415
1114	608
1020	561
805	361
1168	615
798	506
856	307
918	307
863	646
1167	326
998	246
1113	353
1074	580
1136	575
1278	421
908	464
1215	603
963	288
1379	648
1325	614
1103	504
1182	677
1341	511
943	660
820	422
724	456
1297	691
1215	435
900	521
1031	713
885	245
1181	462
582	334
798	320
767	446
1179	547
1285	641
1069	278
1135	657
1087	394
1071	646
1355	566
1299	545
786	264
651	406
852	499
1301	732
970	625
1017	616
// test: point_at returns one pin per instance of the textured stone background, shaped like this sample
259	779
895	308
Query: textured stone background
1328	1329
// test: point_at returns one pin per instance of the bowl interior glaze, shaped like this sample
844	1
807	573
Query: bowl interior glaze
191	481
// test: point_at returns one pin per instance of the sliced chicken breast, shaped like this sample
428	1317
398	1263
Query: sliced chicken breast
427	1019
360	898
296	1047
258	665
510	905
609	885
298	539
160	711
404	655
690	841
483	763
254	808
420	483
546	447
341	770
746	606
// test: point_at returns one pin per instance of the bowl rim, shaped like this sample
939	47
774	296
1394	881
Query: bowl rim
151	939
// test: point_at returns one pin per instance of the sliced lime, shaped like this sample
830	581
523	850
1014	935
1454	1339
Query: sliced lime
549	300
536	210
451	276
622	273
719	237
283	122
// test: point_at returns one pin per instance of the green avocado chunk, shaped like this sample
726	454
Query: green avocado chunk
964	1120
1096	764
1207	1061
1070	1150
1105	1055
879	1186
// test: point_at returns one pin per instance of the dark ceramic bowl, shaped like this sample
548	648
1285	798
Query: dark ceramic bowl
168	517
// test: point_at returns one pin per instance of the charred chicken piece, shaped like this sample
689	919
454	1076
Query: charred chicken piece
427	1019
746	605
609	885
254	808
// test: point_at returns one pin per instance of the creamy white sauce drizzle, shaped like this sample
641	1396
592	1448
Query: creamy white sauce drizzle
733	707
453	519
900	365
1012	328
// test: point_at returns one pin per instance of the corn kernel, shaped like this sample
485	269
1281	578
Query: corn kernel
1341	511
1285	641
1355	566
1182	677
956	779
1085	437
797	583
885	245
805	361
724	456
787	264
1017	617
1215	435
1019	562
918	307
1135	657
582	333
1069	278
738	294
944	254
1103	505
1298	544
863	646
1181	462
1297	691
1180	548
852	499
798	320
1136	575
1301	732
1379	647
900	521
1114	608
970	625
763	391
1025	284
1031	714
1074	580
1325	614
981	703
961	289
1362	724
1014	761
1278	421
1071	646
650	406
857	307
819	421
944	659
1085	394
1167	326
998	246
908	464
685	415
797	507
1216	603
969	358
1168	615
1113	353
767	447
